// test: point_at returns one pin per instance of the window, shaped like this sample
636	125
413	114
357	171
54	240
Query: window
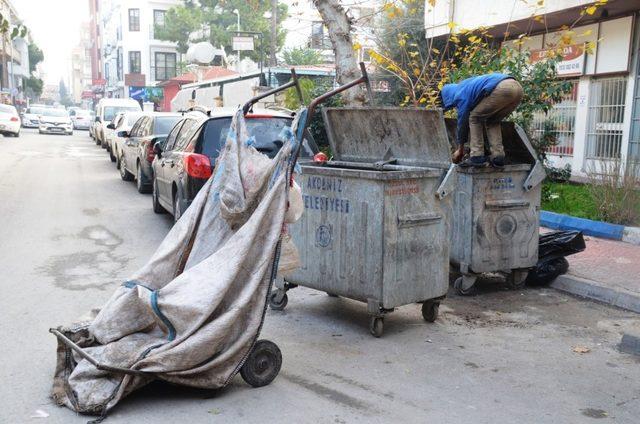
171	138
134	19
119	64
163	124
135	129
165	66
186	132
158	17
559	122
134	63
606	118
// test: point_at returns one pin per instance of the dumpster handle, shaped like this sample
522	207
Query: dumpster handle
293	83
64	339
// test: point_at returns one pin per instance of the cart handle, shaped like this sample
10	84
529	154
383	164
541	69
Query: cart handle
293	83
119	370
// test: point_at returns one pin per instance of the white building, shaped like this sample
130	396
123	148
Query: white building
305	28
131	55
15	57
599	120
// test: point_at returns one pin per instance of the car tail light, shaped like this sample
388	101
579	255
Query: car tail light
14	119
149	151
197	166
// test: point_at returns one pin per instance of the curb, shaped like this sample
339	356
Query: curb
596	291
589	227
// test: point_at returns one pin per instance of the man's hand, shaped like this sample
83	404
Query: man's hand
458	154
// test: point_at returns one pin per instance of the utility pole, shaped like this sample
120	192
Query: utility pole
274	27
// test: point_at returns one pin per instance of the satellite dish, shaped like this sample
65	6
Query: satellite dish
201	53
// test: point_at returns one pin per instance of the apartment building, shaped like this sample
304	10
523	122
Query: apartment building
14	58
598	122
130	56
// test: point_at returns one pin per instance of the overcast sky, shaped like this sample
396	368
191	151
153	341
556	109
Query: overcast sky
55	27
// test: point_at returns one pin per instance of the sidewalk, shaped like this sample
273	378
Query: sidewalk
607	271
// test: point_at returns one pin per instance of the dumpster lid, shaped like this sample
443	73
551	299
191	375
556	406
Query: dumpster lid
411	136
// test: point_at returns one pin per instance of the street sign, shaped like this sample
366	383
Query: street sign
242	43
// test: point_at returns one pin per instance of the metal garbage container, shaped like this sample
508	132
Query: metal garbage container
376	221
495	220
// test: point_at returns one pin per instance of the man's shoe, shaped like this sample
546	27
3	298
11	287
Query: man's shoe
497	161
475	161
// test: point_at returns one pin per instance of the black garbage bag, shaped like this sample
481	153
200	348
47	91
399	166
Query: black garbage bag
552	249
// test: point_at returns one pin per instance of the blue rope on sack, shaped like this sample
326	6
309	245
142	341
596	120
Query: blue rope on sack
130	284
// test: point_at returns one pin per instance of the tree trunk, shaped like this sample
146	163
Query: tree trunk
274	33
339	25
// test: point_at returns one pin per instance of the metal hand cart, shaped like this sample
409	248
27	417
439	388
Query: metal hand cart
262	363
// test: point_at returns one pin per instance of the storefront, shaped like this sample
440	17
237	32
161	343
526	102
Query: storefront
596	121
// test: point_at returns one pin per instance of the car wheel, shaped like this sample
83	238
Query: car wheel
40	132
98	142
112	156
140	184
124	174
16	135
70	133
157	208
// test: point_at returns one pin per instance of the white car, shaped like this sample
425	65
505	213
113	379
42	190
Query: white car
106	110
81	119
122	122
31	116
55	121
9	121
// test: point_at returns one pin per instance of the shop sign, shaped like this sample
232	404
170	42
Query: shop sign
572	59
138	80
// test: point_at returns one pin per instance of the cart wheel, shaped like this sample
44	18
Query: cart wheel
278	300
430	310
331	294
516	280
263	364
376	326
465	285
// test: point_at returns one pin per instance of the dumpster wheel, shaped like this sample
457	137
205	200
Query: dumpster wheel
262	365
517	278
376	326
430	309
465	285
278	299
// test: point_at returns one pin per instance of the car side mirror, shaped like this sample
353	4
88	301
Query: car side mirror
157	148
122	134
97	119
111	127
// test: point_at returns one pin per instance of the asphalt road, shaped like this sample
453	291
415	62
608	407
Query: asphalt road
71	231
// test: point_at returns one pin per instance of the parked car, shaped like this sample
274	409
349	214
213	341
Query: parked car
9	121
55	121
31	116
106	110
81	119
92	126
185	160
136	153
123	121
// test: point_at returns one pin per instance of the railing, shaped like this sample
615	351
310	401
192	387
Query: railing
560	123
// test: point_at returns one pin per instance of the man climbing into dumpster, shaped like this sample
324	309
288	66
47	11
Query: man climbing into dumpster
482	102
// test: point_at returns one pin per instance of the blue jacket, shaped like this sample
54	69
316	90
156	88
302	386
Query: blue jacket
466	95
